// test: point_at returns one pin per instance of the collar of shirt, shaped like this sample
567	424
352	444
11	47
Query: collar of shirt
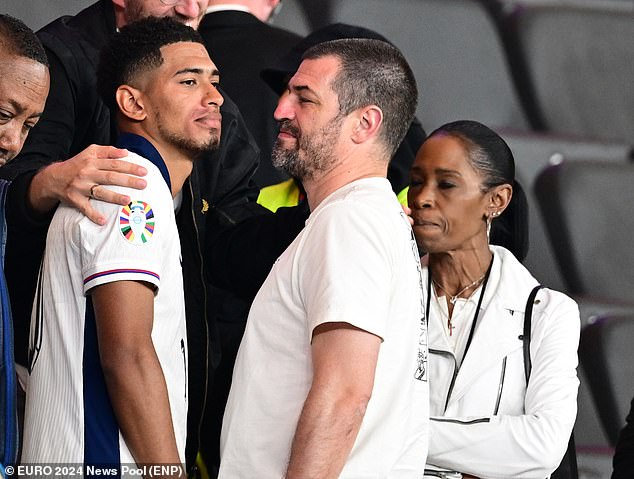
227	6
142	147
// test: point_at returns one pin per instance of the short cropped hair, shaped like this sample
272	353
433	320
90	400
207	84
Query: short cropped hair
136	49
18	39
373	72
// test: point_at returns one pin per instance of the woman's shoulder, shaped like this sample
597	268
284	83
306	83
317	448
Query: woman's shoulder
514	272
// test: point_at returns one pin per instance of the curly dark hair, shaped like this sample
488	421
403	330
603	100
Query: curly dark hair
17	38
136	49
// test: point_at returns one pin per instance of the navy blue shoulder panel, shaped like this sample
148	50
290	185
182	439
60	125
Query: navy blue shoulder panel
144	148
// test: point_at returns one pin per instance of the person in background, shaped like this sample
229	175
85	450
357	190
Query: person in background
108	346
502	402
24	85
331	376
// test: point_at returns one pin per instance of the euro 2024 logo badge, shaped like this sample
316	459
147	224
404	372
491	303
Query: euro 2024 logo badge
136	222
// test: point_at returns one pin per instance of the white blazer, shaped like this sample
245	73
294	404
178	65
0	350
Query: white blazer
489	424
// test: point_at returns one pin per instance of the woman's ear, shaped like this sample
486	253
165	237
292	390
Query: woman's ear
130	102
500	197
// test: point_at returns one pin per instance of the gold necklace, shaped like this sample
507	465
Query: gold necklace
454	298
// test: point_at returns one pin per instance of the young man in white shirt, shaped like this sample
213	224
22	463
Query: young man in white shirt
108	348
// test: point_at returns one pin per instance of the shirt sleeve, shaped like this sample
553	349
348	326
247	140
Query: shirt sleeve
346	269
131	246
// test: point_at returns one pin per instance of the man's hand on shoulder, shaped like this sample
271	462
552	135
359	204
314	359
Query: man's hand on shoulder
75	180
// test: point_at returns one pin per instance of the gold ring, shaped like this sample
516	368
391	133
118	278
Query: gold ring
92	191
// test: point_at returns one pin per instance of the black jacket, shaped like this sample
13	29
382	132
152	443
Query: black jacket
220	188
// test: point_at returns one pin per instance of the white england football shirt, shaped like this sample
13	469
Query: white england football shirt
69	417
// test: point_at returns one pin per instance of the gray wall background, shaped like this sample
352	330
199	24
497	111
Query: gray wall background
37	13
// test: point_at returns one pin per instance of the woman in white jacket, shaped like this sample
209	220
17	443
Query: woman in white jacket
487	420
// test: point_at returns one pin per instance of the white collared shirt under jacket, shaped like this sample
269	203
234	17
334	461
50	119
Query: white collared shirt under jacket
489	424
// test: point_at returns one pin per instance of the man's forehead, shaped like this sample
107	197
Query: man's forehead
24	84
316	73
191	54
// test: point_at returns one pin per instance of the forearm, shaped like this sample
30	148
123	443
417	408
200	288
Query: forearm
124	313
138	393
326	431
531	446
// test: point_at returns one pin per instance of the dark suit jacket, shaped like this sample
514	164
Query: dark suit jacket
241	45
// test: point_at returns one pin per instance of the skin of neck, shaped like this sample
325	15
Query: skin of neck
179	164
456	269
355	162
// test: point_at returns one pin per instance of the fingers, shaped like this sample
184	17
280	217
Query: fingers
112	178
71	181
102	165
107	159
101	151
408	211
84	206
104	194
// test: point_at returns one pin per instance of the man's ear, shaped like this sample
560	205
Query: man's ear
119	3
369	121
130	103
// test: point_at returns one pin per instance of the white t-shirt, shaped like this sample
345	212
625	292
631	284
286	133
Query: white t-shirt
356	261
69	417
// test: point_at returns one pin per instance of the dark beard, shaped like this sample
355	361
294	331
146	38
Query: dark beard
194	150
289	161
318	151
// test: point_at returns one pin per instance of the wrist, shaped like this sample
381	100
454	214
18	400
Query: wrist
41	197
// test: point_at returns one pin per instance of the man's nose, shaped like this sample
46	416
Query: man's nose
10	142
191	10
214	96
284	108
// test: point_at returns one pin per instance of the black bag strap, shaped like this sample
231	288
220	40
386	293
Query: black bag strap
526	336
568	467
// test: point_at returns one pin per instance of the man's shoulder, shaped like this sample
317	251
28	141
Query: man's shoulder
366	196
80	35
155	179
368	206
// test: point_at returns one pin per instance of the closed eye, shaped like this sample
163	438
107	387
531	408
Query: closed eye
27	126
5	116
